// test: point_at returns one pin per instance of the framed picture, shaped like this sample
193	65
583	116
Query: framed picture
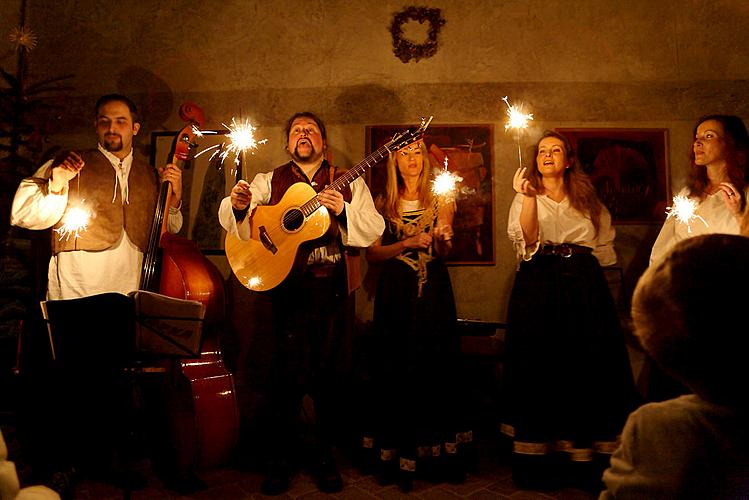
204	182
629	168
468	151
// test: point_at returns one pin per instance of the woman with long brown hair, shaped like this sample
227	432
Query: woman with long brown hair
413	426
717	187
719	160
568	381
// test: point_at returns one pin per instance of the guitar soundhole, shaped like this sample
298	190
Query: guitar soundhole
293	220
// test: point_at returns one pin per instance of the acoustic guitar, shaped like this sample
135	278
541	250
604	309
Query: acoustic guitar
280	231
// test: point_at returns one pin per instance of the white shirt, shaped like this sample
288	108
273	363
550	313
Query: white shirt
561	223
80	273
715	214
364	224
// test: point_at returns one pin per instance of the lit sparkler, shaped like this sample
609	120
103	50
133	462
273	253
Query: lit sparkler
200	133
254	282
241	140
75	221
683	210
517	120
445	184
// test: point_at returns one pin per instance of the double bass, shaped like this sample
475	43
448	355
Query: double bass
175	266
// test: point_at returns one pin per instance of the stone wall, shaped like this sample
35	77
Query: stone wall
584	63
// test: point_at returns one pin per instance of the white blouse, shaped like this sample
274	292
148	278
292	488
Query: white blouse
716	218
561	223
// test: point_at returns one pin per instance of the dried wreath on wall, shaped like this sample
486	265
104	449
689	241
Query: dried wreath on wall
405	49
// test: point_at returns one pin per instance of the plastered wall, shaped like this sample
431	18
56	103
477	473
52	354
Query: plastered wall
584	63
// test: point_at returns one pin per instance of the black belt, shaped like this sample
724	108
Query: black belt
564	250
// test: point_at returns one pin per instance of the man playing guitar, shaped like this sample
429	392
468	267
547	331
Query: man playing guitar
309	306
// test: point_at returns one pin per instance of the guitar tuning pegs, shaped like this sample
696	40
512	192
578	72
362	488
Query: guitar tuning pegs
425	122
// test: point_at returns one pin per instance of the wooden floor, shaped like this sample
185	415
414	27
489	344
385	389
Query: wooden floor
491	481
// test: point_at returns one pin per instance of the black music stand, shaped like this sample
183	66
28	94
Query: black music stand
123	327
101	344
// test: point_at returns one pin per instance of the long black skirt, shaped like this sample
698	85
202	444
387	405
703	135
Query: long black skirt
568	381
415	423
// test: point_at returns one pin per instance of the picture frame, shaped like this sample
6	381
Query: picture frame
629	168
468	150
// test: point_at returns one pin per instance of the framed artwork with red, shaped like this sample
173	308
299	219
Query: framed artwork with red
629	168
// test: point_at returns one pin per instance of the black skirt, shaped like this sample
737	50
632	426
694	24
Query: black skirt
568	382
415	407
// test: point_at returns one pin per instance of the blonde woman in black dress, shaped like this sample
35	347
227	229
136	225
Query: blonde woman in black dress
415	429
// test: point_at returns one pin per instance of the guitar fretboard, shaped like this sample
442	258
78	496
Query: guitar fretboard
355	172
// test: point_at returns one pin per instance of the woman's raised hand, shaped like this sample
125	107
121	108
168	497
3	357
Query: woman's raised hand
731	197
443	232
522	185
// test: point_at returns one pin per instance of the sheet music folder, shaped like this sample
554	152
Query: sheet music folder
120	326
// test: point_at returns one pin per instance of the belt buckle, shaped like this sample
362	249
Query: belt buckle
564	250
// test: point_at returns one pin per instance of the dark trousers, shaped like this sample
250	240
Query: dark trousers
298	343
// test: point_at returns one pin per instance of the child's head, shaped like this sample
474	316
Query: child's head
688	314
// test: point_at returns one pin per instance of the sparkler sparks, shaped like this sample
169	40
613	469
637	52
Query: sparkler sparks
445	185
683	209
517	120
254	282
241	140
75	221
200	133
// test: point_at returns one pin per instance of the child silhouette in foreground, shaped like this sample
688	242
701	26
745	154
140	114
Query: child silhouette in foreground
687	313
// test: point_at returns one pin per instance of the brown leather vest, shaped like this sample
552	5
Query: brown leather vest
95	184
286	175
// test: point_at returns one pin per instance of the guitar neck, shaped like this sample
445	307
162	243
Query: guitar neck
350	176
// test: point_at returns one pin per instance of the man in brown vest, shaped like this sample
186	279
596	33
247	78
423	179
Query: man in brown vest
119	190
113	184
308	309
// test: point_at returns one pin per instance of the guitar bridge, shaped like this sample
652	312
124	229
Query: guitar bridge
266	241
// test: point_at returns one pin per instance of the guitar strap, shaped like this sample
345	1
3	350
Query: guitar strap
351	255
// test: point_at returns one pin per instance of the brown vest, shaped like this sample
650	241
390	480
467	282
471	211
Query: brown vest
95	185
286	175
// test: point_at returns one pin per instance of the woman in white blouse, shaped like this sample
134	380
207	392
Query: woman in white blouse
568	383
717	185
716	182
